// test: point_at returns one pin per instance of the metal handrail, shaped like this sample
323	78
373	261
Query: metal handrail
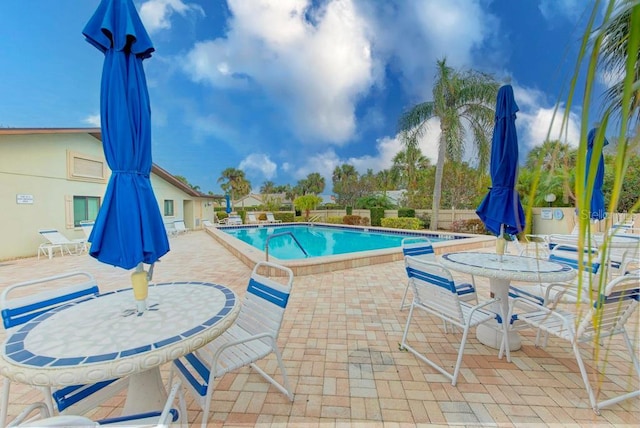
266	244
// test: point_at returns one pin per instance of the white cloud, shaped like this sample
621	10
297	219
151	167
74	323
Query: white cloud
259	163
156	14
571	9
92	120
320	68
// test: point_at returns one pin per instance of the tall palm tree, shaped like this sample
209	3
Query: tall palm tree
314	183
614	54
345	184
236	183
268	187
461	101
409	162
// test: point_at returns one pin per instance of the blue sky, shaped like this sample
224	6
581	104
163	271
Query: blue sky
285	88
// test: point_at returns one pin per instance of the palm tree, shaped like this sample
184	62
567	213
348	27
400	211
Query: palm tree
614	56
236	184
459	99
408	163
345	184
314	183
268	187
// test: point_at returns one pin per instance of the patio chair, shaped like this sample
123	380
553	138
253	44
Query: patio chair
435	293
87	228
251	338
603	320
252	219
422	248
272	219
578	289
207	223
234	219
160	418
36	297
56	240
180	227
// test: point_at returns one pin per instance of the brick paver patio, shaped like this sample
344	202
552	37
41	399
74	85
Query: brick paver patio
340	345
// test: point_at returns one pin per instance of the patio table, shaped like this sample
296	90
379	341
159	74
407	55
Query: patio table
104	338
500	274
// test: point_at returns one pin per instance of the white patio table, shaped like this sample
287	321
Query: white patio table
104	338
500	274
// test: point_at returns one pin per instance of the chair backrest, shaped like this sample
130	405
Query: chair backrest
266	298
41	295
270	217
180	226
614	306
234	219
418	246
54	237
433	288
87	227
252	217
207	223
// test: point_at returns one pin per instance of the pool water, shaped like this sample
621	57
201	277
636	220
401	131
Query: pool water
318	241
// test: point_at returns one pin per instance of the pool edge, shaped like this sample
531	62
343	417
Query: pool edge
250	255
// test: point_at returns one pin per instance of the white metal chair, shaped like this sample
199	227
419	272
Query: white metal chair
251	338
578	289
435	293
422	248
24	301
603	320
160	418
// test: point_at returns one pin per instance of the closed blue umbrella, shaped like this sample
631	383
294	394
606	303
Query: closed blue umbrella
501	208
597	208
226	197
129	229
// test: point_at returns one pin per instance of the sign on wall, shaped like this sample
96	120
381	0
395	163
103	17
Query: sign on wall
24	199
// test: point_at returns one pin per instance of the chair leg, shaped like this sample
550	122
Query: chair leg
285	389
403	306
456	370
4	405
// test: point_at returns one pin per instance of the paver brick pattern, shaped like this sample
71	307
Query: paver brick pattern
340	342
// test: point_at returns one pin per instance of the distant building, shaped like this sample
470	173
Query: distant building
57	177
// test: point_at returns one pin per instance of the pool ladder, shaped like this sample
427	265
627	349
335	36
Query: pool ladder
275	235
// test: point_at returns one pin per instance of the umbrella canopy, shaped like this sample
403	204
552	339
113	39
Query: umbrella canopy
129	229
228	199
501	208
597	208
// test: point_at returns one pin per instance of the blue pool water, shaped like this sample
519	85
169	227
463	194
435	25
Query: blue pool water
318	241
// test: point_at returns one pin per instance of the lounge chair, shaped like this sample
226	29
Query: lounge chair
56	240
207	223
180	227
251	218
272	219
35	297
252	337
234	219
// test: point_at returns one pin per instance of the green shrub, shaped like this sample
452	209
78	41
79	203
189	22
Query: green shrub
286	216
377	214
334	220
406	212
349	210
401	223
425	220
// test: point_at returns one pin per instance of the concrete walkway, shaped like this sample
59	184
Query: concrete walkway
340	345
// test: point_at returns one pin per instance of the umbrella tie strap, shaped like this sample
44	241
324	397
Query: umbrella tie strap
122	171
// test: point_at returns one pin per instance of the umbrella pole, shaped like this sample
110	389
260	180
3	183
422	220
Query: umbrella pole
501	243
140	284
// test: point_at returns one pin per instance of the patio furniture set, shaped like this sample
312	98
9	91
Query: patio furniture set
54	332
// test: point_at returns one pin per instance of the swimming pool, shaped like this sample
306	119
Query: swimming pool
303	241
251	255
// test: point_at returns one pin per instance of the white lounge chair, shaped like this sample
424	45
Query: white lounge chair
604	319
207	223
251	218
56	240
234	219
252	337
272	219
435	293
180	227
19	303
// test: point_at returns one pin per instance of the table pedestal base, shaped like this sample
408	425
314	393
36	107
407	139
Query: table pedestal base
146	393
491	335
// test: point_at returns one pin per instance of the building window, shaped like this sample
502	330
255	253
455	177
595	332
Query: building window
85	208
168	208
81	167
